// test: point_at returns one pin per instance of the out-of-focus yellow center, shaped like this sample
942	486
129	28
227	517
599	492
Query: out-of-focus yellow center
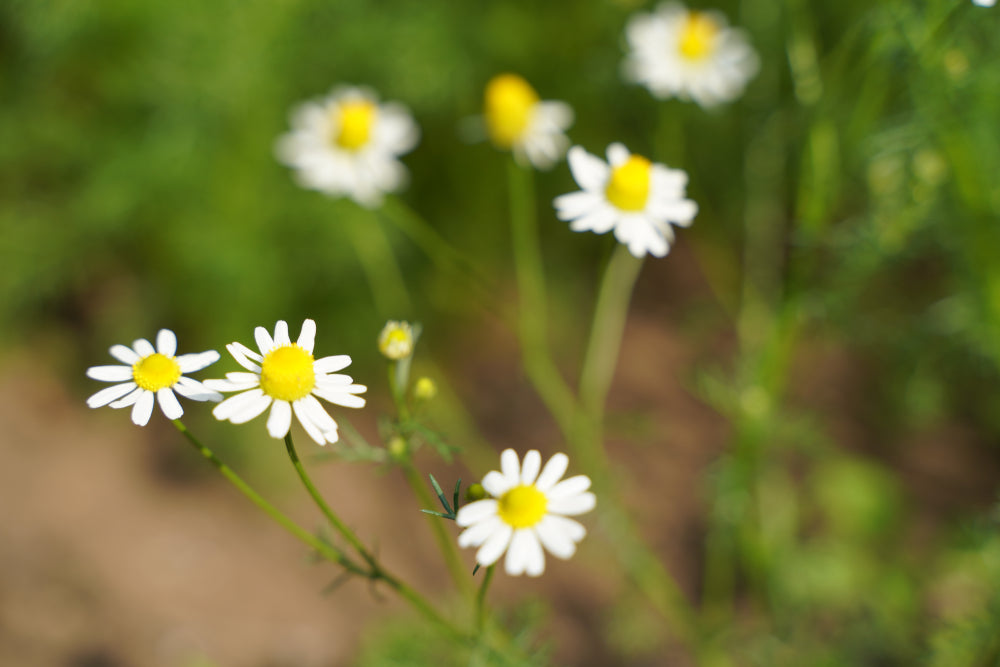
156	372
698	36
628	188
522	507
287	373
355	124
510	102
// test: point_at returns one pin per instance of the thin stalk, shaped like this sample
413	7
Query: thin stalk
385	279
532	327
324	549
334	520
446	544
481	599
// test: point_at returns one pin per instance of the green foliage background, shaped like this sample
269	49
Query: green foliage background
849	196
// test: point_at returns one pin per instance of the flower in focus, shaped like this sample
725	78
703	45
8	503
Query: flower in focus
637	198
676	52
347	145
286	378
527	511
396	340
518	121
148	371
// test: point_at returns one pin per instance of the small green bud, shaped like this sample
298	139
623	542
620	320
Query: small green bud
474	492
398	448
425	389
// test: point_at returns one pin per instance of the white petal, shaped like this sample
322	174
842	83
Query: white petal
497	484
227	385
110	373
475	512
168	402
530	466
143	347
553	472
576	204
281	338
245	357
332	364
166	343
142	409
264	342
479	532
494	546
600	220
307	337
557	537
340	396
280	419
129	399
124	354
197	361
317	413
312	429
196	391
573	505
108	394
589	171
618	154
239	403
524	555
569	487
510	467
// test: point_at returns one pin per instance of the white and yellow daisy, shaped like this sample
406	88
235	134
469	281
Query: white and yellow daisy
286	378
518	121
347	145
676	52
395	342
527	511
149	371
636	198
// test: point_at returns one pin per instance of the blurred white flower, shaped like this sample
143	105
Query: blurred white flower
527	511
286	378
396	340
148	371
984	3
348	144
676	52
636	198
518	121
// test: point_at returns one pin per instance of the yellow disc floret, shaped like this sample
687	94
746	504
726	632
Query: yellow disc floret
523	506
287	373
510	103
155	372
628	188
698	35
354	124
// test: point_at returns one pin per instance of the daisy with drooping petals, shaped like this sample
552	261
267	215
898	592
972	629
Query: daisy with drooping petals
148	371
286	378
676	52
527	511
636	198
518	121
348	144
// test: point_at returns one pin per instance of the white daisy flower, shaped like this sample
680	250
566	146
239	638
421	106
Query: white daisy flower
984	3
675	52
347	145
149	371
286	378
518	121
527	511
637	198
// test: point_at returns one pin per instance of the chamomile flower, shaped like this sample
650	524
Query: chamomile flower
347	145
395	342
518	121
286	378
149	371
676	52
636	198
526	512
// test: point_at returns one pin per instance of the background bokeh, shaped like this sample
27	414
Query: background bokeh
805	415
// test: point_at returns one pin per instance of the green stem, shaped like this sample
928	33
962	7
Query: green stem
379	264
532	328
324	549
446	544
481	599
334	520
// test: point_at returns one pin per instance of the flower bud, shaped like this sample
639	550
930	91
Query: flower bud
396	340
398	448
425	389
474	492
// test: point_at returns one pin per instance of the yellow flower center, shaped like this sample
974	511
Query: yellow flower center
523	506
355	124
698	36
156	372
287	373
628	188
510	102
